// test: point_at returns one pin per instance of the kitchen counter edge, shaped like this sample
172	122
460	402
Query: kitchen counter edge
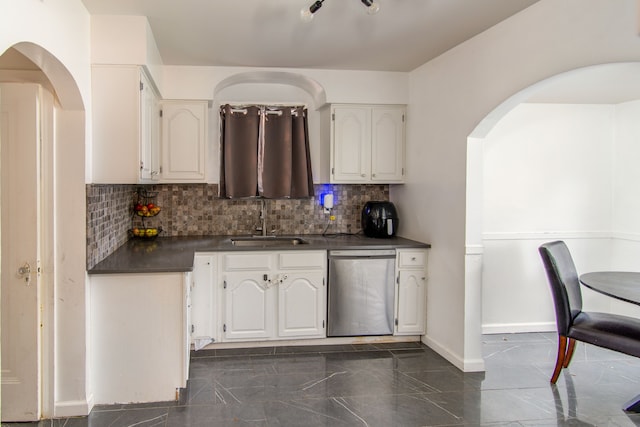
176	254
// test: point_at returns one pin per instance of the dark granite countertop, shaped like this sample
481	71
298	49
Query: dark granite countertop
175	254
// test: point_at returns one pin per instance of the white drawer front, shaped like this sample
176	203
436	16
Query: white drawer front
412	259
302	259
247	261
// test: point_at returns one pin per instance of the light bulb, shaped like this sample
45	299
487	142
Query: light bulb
306	15
374	8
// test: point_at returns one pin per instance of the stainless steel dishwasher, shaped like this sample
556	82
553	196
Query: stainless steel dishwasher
361	292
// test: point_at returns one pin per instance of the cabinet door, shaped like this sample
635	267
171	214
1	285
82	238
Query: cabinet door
249	303
203	298
183	140
149	132
301	305
412	300
351	144
115	91
387	144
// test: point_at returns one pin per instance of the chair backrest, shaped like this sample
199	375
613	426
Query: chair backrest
563	279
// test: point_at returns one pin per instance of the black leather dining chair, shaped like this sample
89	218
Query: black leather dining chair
611	331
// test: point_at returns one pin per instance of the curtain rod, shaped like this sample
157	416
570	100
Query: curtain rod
263	104
243	108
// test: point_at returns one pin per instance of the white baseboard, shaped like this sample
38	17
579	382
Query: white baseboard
516	328
471	365
73	408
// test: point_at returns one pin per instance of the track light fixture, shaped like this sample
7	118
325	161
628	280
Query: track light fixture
307	14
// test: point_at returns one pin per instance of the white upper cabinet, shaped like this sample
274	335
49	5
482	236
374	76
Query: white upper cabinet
132	143
149	132
366	143
125	125
184	132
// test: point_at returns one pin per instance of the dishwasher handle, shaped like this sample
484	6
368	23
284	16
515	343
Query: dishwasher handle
363	253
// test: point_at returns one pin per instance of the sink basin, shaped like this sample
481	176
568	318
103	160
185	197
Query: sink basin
267	241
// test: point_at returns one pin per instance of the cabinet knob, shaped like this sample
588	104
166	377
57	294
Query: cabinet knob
363	175
413	258
373	175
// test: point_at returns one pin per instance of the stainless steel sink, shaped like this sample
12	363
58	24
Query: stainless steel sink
267	241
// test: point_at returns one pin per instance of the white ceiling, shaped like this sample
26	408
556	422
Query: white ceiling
269	33
402	36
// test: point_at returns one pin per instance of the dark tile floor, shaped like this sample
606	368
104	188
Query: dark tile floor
391	385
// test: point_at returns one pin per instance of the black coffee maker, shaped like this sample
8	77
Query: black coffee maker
379	219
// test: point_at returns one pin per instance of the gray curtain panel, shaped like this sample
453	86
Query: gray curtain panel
265	152
239	151
301	176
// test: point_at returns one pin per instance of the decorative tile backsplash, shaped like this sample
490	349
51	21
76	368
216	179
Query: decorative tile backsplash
108	219
195	209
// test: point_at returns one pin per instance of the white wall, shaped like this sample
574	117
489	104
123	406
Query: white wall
449	97
125	40
626	173
54	34
548	171
59	26
373	87
548	167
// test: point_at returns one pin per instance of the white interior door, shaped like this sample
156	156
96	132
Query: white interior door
20	189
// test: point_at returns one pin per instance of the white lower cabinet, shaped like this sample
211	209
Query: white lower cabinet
411	292
139	336
274	295
277	295
301	305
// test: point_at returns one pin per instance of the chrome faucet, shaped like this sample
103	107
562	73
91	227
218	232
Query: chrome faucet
263	218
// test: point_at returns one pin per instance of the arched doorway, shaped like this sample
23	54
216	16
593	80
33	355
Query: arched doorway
62	230
602	84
